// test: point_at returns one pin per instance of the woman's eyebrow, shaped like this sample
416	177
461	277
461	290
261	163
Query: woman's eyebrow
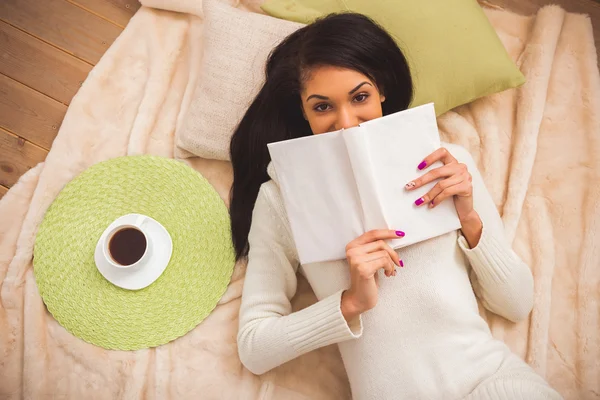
318	96
358	87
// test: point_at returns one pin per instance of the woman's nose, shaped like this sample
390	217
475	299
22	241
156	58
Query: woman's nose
346	119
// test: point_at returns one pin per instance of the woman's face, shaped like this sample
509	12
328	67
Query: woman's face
334	98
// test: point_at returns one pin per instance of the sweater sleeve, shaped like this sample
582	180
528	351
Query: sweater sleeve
501	280
269	333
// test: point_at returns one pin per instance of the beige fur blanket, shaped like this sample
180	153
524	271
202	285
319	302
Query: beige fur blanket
537	147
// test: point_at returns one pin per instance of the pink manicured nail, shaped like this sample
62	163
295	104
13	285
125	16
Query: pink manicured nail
400	233
401	263
422	165
419	201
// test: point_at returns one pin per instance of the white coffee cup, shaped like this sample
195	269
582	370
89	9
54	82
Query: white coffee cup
117	227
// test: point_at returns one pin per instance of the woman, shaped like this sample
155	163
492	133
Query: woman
417	333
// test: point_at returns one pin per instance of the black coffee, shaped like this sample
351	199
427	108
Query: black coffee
127	246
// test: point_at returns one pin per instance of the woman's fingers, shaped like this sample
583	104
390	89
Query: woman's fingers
439	188
373	236
454	179
437	173
460	189
372	262
369	253
373	247
442	154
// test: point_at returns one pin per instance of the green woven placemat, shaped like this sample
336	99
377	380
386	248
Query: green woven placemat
95	310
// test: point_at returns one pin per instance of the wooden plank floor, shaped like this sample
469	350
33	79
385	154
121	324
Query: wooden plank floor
47	48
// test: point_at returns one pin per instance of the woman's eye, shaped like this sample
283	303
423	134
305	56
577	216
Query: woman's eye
321	107
361	97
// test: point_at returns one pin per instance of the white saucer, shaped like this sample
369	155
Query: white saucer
143	275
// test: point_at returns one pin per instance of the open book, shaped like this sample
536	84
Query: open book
338	185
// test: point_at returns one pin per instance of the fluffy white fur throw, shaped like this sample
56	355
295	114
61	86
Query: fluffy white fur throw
537	147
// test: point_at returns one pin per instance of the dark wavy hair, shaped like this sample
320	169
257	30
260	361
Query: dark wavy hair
346	40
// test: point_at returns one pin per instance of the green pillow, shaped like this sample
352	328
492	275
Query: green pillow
454	53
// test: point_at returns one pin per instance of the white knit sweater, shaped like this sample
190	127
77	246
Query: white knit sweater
425	338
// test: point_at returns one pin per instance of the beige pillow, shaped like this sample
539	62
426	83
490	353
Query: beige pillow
236	46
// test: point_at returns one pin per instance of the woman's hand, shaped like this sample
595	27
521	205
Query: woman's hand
366	255
455	183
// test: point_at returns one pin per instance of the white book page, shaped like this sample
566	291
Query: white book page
319	192
338	185
357	141
394	146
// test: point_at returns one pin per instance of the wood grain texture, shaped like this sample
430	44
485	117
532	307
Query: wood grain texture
17	156
118	12
29	114
529	7
39	65
62	24
3	190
